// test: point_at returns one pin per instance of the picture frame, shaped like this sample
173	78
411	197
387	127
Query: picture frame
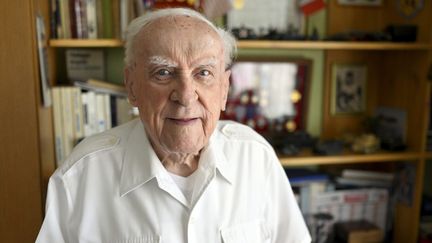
260	92
348	84
372	3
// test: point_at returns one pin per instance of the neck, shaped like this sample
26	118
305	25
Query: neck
181	164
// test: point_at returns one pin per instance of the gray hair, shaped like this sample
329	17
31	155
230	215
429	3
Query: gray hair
139	23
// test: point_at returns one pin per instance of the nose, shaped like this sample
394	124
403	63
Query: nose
184	92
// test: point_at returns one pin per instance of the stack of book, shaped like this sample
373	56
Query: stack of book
81	112
306	184
351	178
354	195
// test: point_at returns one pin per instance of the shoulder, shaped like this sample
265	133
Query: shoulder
98	143
236	132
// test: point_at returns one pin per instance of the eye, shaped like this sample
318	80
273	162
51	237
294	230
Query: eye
163	74
204	73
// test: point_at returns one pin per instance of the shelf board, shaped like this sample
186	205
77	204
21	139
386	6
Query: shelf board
428	155
264	44
331	45
85	43
308	158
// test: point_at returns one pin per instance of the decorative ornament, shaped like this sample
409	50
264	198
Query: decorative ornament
295	96
409	8
290	126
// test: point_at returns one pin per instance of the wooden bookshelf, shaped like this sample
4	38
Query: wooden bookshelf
264	44
82	43
333	45
397	78
308	158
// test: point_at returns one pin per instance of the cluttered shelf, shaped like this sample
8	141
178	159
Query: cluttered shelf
306	157
265	44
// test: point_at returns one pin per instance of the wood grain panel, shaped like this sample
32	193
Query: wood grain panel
21	209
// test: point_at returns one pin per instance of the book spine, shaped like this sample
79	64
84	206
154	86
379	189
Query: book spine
91	19
100	112
83	19
68	125
116	19
78	113
73	19
58	126
107	19
86	118
53	19
99	19
78	18
107	109
124	17
92	113
65	18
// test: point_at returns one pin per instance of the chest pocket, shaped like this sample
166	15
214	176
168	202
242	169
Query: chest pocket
249	232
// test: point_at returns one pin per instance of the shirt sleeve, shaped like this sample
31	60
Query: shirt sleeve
54	229
281	211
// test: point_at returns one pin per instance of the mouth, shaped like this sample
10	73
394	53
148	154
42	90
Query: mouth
183	121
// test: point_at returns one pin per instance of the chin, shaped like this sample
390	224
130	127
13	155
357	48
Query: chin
184	147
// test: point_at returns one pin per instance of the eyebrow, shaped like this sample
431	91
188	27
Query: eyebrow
159	60
164	61
206	62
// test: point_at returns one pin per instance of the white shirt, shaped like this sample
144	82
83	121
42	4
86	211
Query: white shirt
186	185
113	188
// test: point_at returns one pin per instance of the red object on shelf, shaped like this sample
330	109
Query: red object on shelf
159	4
309	7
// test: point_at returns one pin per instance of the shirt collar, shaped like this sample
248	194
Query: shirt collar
141	164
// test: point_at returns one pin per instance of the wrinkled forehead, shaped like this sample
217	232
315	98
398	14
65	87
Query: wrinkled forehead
178	35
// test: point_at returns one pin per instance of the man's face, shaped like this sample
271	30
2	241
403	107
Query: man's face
178	82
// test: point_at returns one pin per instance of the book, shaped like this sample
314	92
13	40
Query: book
107	18
359	182
84	64
100	112
58	126
92	26
43	61
91	96
67	113
78	119
65	19
300	176
367	175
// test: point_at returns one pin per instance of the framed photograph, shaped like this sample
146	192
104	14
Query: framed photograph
361	2
348	89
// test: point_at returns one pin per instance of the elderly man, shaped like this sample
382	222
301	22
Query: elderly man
176	174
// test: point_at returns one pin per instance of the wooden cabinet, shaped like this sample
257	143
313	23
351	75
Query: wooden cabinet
20	140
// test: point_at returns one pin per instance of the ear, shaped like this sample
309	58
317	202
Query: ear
129	84
225	88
